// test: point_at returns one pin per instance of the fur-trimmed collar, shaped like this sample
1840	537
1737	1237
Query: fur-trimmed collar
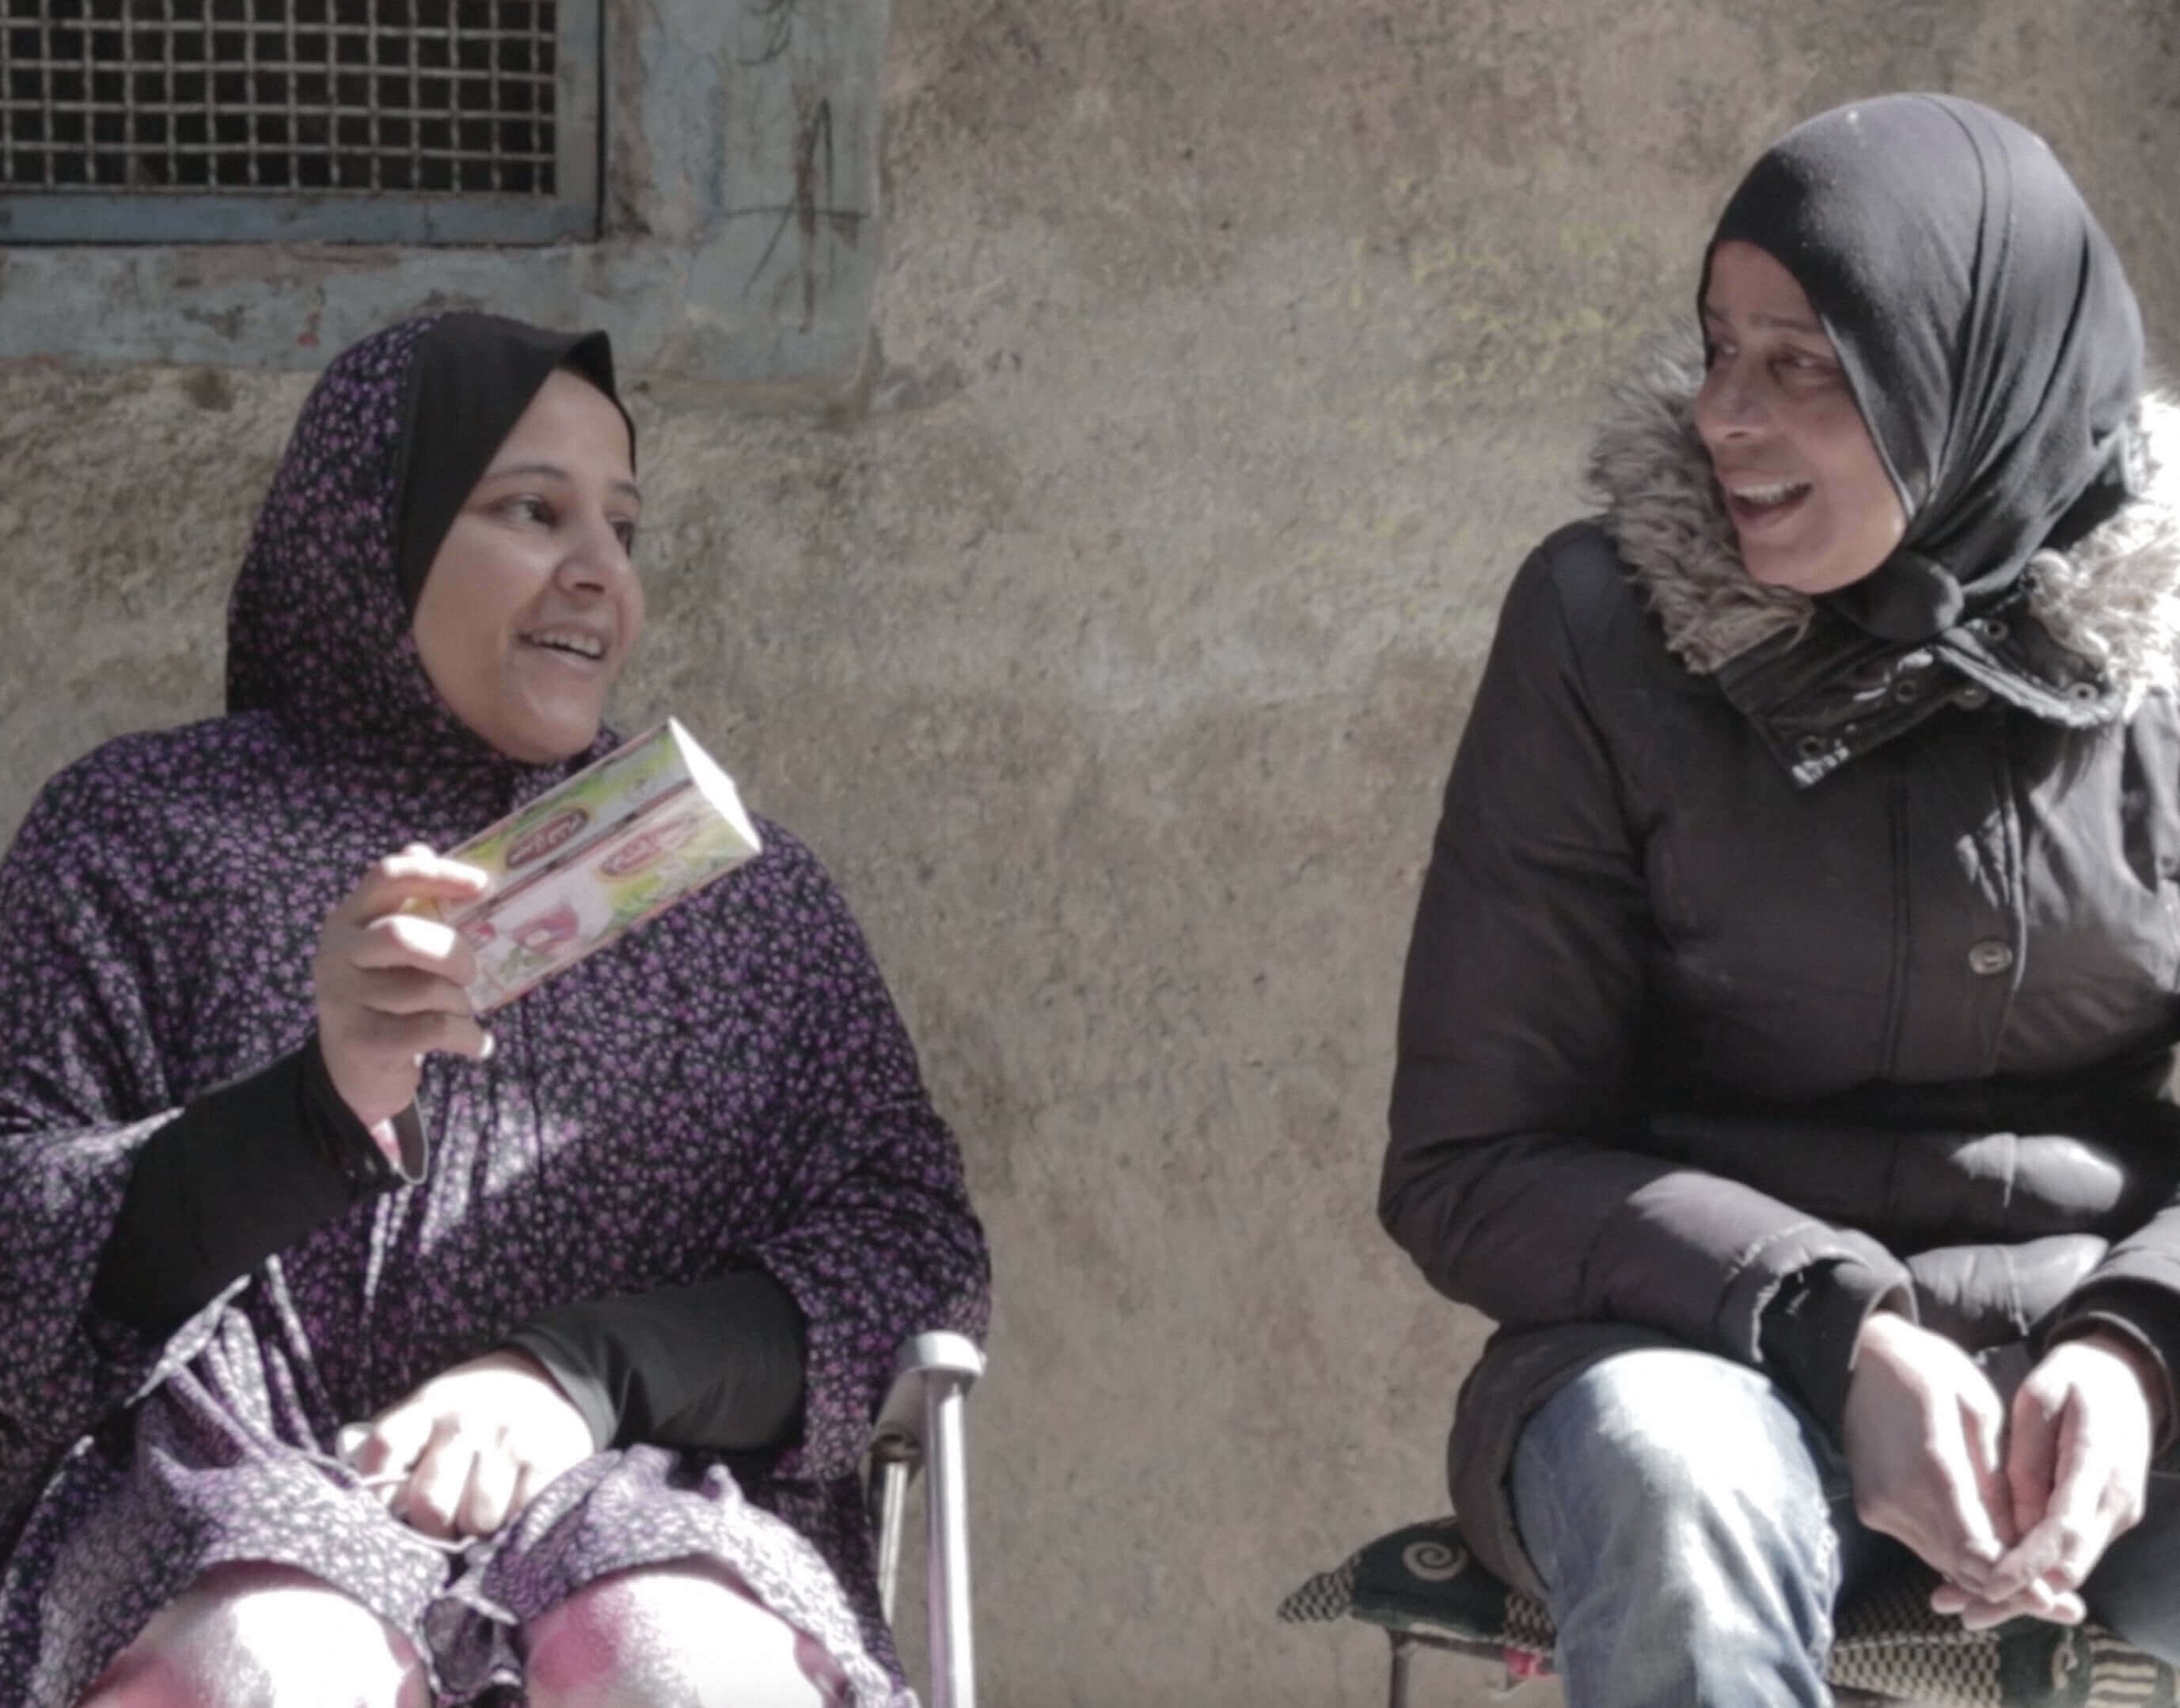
2114	599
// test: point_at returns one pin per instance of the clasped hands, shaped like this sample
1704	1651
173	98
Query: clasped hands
2012	1506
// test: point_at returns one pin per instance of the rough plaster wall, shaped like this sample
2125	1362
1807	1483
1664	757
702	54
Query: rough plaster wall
1232	356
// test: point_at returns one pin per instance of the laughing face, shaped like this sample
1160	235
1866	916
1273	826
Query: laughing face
1811	501
533	605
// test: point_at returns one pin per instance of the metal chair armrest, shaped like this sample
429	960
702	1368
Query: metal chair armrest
921	1426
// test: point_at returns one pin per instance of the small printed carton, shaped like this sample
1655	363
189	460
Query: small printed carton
616	844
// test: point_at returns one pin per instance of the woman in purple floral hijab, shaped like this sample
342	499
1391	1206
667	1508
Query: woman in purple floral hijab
615	1293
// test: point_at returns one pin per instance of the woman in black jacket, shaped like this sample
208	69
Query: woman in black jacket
1787	1024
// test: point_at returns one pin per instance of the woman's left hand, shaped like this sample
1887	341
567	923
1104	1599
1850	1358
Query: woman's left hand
2078	1451
465	1451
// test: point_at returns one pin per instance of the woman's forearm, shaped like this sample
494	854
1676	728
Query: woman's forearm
717	1363
242	1172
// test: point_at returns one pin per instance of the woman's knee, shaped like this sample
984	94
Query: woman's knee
1677	1426
1676	1510
1664	1450
251	1635
681	1635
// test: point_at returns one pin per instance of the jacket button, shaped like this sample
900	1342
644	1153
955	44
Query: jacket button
1989	957
1974	696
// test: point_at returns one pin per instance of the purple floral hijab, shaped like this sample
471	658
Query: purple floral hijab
729	1086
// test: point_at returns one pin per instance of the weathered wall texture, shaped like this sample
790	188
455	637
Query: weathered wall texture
1232	356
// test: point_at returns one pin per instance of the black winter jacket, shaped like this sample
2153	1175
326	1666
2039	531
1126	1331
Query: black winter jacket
1754	954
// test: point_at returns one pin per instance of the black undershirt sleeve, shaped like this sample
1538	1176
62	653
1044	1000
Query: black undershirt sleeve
253	1166
243	1172
716	1365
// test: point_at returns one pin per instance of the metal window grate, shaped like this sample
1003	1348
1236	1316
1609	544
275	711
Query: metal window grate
411	101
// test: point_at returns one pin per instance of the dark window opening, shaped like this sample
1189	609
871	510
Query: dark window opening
418	97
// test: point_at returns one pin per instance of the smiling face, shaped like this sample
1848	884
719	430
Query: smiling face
532	606
1811	502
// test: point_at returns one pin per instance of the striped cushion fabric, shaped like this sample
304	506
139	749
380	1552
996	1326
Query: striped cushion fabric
1423	1580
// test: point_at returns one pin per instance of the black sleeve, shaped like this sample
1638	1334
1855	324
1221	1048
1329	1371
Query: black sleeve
243	1172
716	1365
2137	1290
1809	1330
2146	1316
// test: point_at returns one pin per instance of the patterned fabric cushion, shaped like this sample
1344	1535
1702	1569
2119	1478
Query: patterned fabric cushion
1422	1579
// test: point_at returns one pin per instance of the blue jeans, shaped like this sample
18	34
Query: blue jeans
1694	1530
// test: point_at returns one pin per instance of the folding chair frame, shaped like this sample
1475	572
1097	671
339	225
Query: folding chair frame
921	1428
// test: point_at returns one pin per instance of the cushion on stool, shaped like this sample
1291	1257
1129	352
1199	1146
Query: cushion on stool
1422	1581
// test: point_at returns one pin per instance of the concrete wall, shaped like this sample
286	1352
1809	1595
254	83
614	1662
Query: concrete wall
1232	354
